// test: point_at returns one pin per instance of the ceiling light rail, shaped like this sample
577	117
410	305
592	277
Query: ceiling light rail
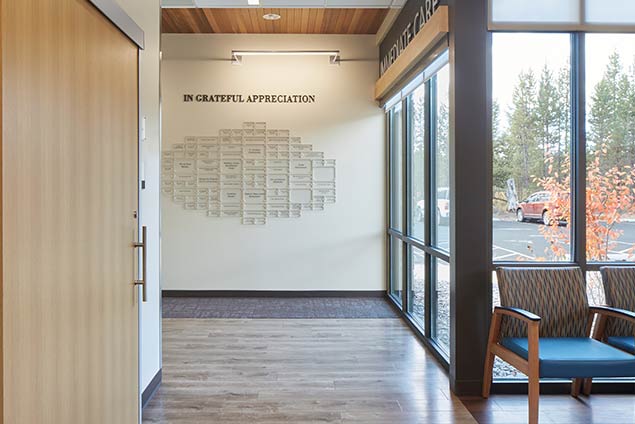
333	55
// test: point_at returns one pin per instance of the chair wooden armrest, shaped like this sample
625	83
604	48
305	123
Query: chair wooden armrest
609	311
518	313
605	312
533	331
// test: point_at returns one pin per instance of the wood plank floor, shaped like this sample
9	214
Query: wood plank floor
331	371
555	409
299	371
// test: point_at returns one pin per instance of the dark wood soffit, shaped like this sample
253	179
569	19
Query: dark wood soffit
293	21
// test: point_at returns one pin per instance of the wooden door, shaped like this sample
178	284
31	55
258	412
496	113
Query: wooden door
69	192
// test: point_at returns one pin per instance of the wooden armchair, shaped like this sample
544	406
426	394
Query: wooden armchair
543	329
619	288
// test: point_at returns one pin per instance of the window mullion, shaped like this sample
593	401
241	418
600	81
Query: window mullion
405	183
388	185
578	119
426	218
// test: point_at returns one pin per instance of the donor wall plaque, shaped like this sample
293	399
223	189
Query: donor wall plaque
253	173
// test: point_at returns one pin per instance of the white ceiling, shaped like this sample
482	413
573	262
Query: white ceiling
287	3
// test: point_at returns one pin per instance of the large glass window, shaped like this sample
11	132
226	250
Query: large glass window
563	137
420	280
610	176
441	304
440	206
396	167
417	296
396	269
532	153
532	144
441	164
418	110
534	137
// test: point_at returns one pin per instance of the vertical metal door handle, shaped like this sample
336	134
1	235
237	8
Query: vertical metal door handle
144	262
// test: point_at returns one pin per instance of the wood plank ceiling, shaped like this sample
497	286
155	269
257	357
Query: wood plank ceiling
293	21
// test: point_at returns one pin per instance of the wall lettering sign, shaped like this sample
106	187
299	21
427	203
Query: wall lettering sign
249	98
252	173
409	23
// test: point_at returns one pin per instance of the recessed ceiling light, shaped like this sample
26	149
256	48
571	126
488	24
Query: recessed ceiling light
271	17
253	2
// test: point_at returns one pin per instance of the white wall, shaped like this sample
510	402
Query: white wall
147	14
340	248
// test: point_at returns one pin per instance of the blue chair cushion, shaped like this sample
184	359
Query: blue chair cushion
576	357
623	342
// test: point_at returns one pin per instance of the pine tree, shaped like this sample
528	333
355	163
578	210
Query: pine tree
628	112
548	116
499	150
563	151
524	152
611	116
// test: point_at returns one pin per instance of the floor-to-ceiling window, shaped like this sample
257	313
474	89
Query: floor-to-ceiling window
555	113
532	200
396	167
418	111
419	169
610	154
563	137
440	212
532	144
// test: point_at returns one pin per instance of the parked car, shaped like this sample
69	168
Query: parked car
535	207
443	206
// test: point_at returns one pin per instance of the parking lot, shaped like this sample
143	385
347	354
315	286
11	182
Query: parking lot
524	241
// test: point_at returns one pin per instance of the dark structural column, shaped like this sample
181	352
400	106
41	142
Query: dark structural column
470	188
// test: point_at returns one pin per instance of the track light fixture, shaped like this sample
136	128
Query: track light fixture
333	55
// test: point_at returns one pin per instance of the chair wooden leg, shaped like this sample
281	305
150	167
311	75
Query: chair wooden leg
534	397
576	386
494	333
598	334
534	373
488	373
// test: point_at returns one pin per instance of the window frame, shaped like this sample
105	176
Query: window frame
390	113
578	170
409	241
390	122
410	177
574	153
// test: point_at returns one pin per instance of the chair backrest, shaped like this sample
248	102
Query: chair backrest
557	295
619	288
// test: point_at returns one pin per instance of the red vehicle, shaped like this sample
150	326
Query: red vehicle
535	208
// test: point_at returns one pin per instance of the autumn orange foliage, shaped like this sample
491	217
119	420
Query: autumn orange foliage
610	197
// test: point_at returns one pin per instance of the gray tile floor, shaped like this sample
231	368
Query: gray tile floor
282	308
